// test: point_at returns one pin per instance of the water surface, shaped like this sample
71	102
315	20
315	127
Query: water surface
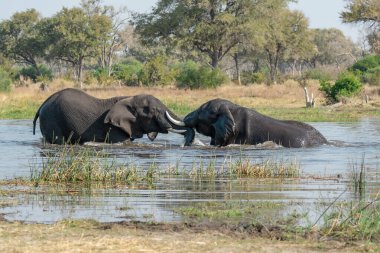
326	174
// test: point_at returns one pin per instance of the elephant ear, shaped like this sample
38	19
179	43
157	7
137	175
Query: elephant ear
120	116
224	126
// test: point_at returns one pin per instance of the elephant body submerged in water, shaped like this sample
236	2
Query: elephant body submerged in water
227	123
72	116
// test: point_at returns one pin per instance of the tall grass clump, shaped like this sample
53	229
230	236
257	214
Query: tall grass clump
356	221
265	169
358	179
82	165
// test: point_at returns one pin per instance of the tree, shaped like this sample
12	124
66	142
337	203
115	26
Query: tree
21	39
115	39
333	48
212	27
287	37
78	36
366	12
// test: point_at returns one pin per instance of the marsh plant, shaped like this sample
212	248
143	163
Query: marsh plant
358	179
73	164
354	220
268	168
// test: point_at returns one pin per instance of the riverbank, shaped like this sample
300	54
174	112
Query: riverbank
283	101
90	236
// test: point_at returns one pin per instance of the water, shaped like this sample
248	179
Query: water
325	173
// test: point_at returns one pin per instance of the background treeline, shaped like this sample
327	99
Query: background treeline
191	44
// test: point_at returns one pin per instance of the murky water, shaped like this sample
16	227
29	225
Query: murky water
325	174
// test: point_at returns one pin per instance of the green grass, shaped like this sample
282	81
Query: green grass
26	109
320	114
83	165
232	211
72	164
19	109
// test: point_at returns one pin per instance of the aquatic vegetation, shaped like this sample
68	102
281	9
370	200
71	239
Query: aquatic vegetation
74	164
265	169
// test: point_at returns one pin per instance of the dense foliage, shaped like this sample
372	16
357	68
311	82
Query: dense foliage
194	76
347	85
368	69
5	81
192	44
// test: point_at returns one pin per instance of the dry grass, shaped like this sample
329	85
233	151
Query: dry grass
88	236
284	101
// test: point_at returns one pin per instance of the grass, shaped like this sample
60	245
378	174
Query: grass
283	101
232	211
83	165
80	165
90	236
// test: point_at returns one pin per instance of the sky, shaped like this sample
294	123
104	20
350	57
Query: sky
321	13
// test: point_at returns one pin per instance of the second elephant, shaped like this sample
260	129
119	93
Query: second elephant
72	116
227	123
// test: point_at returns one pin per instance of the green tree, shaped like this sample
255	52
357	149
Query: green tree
21	39
287	37
78	36
366	12
115	39
212	27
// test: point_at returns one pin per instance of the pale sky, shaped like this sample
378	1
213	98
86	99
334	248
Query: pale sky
321	13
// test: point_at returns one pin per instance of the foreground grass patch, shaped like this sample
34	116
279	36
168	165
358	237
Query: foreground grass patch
72	164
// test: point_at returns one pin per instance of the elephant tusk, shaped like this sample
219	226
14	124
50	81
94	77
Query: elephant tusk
174	121
176	131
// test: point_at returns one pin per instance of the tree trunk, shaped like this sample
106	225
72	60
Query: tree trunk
79	72
309	102
237	67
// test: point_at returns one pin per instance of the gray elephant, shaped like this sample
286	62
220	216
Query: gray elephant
72	116
227	123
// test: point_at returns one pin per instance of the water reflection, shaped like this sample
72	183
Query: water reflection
325	174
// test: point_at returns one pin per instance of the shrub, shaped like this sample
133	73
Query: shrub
5	81
156	72
32	73
101	76
346	85
372	76
129	72
250	77
195	76
365	64
318	74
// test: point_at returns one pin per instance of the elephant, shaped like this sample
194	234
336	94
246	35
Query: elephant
227	123
72	116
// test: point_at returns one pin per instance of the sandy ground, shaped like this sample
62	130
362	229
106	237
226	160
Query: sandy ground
72	236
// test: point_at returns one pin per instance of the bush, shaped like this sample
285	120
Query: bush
318	74
130	72
194	76
368	69
5	81
365	64
372	77
346	85
156	72
32	73
101	76
249	77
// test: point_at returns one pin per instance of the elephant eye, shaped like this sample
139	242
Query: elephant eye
146	109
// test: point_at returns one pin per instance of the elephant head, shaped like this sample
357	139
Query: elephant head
213	119
144	114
